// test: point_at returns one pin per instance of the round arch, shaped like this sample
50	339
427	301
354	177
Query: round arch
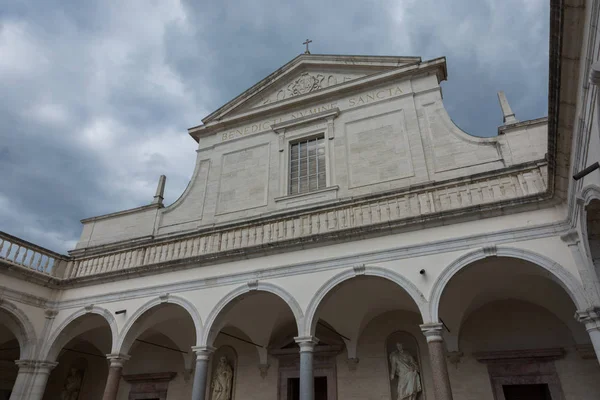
588	194
414	293
239	291
21	327
61	335
565	279
119	344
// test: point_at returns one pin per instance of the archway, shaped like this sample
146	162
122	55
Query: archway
80	345
592	229
259	323
16	339
510	321
158	339
364	308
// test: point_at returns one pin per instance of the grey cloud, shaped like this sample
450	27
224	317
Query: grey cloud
95	97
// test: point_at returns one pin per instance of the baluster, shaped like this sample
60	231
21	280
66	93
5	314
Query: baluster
8	251
30	263
16	256
46	265
22	262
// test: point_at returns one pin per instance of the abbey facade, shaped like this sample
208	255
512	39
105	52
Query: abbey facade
340	238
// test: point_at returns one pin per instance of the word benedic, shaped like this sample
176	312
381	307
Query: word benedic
350	102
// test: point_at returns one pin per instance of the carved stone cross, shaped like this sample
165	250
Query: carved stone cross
306	43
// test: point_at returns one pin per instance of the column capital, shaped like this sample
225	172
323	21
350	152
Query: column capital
43	366
433	331
590	318
117	360
203	352
306	343
571	238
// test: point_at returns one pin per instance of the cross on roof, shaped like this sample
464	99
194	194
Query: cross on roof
306	43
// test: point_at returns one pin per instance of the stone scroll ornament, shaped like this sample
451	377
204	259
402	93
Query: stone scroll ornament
222	381
72	385
306	83
404	366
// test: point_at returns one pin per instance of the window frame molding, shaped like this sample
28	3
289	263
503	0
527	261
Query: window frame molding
300	129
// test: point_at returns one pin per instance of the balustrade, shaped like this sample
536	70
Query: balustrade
391	208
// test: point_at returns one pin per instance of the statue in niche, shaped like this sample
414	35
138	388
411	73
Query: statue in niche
222	381
72	385
405	367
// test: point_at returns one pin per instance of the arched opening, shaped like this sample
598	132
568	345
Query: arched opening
509	322
10	351
254	330
593	232
159	343
373	316
80	349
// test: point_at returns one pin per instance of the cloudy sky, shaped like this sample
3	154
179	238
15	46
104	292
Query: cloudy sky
96	96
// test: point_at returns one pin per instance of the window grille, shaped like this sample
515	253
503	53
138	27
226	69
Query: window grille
307	165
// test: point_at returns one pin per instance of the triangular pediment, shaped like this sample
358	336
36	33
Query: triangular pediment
306	74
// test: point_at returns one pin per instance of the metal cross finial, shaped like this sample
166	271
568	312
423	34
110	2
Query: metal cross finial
306	43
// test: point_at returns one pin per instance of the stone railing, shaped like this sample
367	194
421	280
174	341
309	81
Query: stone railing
387	209
23	254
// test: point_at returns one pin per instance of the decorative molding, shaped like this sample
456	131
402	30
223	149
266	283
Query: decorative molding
359	269
352	363
252	285
571	237
590	318
490	251
155	377
454	357
521	356
264	370
50	313
164	298
433	332
586	351
89	308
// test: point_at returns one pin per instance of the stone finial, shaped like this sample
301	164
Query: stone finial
508	116
160	190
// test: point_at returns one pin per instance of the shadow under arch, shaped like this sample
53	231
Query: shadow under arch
125	340
211	330
68	330
21	327
564	278
413	292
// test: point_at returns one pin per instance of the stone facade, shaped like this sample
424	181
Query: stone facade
477	255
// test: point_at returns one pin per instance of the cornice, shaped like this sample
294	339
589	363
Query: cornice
438	65
354	261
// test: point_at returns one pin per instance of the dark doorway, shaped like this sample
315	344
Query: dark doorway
293	388
527	392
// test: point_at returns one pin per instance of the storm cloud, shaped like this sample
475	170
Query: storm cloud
96	97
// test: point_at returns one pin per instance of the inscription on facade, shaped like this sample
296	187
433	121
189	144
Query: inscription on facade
355	101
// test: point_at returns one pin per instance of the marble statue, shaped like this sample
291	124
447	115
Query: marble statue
405	367
72	385
222	381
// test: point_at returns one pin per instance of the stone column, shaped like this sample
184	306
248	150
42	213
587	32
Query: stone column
591	319
31	380
437	355
307	383
203	354
115	371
